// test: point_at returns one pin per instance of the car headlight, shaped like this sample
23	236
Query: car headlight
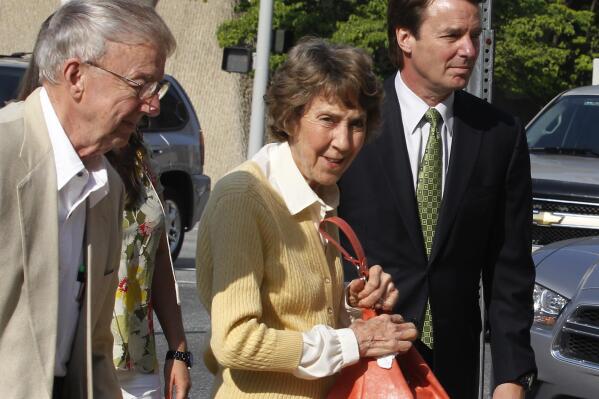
547	305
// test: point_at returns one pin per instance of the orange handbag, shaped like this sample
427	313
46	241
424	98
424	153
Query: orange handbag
409	377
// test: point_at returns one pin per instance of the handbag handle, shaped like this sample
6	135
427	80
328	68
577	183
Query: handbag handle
359	261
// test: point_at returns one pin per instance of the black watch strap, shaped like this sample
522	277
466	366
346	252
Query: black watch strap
527	381
186	357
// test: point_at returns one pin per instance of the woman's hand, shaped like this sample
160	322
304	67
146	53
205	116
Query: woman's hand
176	375
378	292
383	335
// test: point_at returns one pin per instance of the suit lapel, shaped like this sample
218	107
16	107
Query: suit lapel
464	152
38	204
395	164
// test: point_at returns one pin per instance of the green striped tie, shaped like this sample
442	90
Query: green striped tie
428	195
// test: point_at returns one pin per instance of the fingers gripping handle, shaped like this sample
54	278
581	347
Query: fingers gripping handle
360	260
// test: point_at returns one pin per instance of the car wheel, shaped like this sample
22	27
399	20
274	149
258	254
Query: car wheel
174	221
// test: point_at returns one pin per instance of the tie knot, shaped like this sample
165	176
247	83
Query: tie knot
433	117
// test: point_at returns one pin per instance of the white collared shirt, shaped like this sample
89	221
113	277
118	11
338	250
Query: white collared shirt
278	166
325	350
75	185
416	128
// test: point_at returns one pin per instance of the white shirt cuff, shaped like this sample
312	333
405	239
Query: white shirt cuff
326	351
349	346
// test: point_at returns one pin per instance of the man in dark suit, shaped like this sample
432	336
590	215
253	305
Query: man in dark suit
443	194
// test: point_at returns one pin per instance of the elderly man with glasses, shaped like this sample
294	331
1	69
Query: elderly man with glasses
100	64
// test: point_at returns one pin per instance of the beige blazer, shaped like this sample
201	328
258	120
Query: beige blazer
29	267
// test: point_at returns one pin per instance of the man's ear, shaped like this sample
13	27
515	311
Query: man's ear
72	73
404	39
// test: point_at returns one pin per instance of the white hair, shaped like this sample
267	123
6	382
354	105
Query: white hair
81	28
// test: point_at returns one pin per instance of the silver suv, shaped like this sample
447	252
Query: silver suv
177	144
563	140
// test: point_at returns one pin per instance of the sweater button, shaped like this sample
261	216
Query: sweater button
327	280
330	310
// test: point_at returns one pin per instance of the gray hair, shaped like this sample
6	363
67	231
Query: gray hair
81	28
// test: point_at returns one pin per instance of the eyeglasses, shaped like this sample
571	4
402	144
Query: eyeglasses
144	91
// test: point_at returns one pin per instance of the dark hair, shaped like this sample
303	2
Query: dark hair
31	79
316	67
406	14
130	163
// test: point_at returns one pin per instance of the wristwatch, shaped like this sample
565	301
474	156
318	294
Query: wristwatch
186	357
527	381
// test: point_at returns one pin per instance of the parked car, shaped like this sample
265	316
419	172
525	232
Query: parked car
563	140
12	68
565	332
177	144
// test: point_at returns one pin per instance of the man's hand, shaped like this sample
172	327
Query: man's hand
378	292
508	390
176	375
383	335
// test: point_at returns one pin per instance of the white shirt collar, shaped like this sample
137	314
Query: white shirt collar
277	163
68	164
409	100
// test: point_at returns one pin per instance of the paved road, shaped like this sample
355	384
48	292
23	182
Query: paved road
197	323
195	319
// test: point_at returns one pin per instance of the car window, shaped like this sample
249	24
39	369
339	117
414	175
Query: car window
173	114
571	122
9	83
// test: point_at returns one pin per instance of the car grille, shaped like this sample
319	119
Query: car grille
587	315
543	235
580	336
565	207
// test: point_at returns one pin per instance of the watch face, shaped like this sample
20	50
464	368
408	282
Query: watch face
190	357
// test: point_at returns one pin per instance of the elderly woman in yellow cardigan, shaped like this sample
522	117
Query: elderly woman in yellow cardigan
281	318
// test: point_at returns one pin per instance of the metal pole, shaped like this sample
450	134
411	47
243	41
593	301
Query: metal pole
256	139
482	86
481	80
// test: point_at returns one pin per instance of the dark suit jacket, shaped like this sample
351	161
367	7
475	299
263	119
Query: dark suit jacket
484	225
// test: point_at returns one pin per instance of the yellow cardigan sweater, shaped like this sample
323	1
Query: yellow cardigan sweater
265	277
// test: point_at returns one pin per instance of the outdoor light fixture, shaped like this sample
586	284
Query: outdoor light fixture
282	40
237	59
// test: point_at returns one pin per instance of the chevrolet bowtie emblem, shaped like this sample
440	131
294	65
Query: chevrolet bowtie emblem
546	218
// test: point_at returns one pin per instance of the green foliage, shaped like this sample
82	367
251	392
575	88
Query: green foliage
506	11
307	17
302	17
543	52
367	28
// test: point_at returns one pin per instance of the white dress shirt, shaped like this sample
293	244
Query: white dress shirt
75	184
416	128
325	350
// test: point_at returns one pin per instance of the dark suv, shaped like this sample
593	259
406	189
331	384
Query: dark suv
177	144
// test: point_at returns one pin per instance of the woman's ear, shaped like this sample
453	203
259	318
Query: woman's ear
290	128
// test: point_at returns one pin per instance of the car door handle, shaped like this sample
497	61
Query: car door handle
157	152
